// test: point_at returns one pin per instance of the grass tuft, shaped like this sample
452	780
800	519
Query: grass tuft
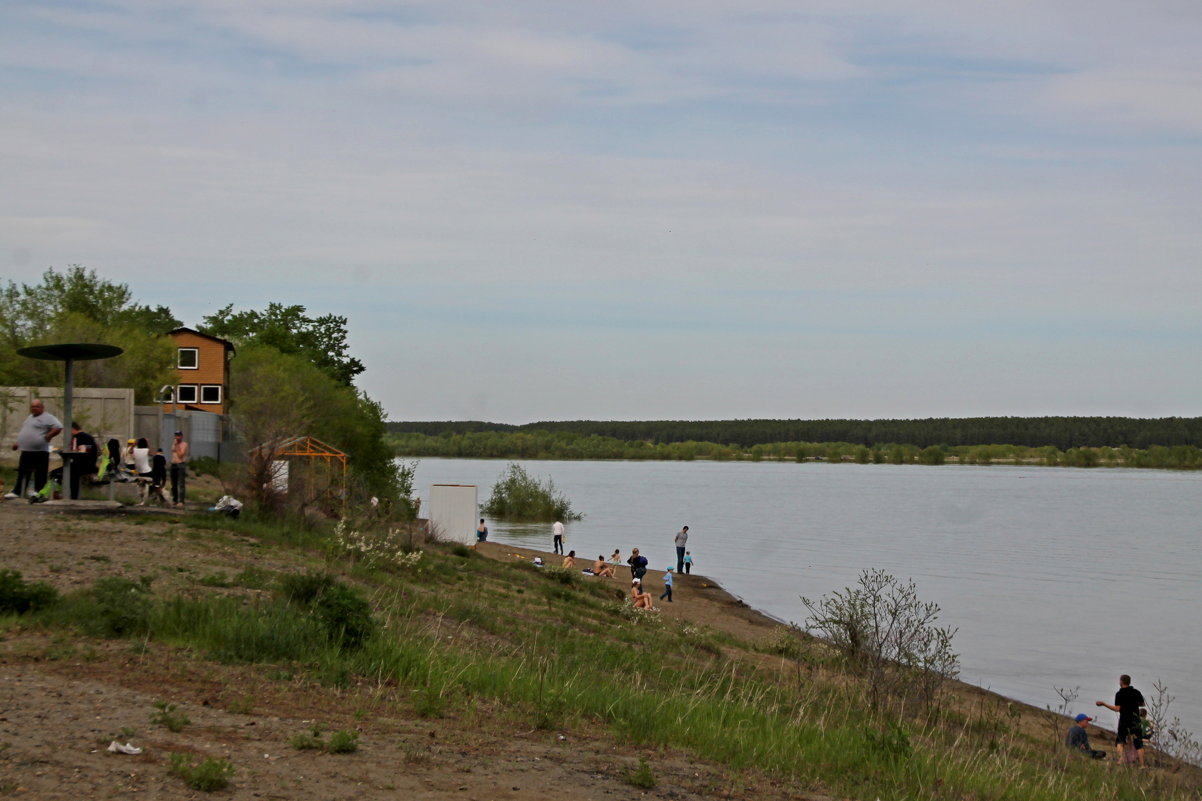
207	776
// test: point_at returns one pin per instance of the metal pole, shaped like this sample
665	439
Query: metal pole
68	401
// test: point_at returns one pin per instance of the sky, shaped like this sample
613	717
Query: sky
641	210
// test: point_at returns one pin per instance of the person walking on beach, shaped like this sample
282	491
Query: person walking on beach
33	441
557	537
682	538
1127	702
688	562
179	469
667	585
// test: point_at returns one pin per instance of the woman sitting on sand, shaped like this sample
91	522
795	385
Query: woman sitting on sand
570	559
642	600
602	569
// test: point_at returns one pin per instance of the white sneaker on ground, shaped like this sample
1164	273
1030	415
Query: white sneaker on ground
12	496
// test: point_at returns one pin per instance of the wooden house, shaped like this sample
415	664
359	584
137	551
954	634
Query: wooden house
202	372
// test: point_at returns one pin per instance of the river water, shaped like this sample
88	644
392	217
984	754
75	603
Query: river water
1055	577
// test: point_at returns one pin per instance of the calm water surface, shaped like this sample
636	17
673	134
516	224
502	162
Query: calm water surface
1055	577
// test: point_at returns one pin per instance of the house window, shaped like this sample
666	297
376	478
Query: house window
185	393
210	393
189	358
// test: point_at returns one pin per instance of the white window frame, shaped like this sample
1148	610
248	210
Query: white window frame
204	387
180	391
179	359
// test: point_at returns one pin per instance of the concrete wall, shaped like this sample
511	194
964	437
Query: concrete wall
204	432
102	412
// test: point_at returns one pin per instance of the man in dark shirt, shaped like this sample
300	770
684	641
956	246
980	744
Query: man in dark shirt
83	454
1127	702
1078	740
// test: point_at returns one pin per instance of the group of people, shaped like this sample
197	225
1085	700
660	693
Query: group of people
603	568
637	562
87	459
1133	726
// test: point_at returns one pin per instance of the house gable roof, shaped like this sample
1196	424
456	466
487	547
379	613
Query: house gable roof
185	330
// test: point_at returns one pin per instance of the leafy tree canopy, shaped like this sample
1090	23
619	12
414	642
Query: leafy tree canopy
320	340
76	305
279	395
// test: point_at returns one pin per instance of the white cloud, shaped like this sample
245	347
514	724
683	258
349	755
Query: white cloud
705	182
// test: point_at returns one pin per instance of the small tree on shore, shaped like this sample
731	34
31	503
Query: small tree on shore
888	636
519	496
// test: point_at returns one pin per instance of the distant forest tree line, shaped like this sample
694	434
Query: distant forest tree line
1058	441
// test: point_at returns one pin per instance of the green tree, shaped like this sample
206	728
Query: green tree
281	395
321	340
77	305
519	496
887	635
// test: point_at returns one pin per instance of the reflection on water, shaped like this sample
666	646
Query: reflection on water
1036	566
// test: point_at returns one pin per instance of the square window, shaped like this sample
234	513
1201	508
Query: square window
189	358
186	393
210	393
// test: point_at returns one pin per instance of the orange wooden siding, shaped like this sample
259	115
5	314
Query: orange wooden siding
210	368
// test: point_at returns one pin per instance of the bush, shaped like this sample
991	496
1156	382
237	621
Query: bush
206	776
206	466
308	740
167	714
343	742
519	496
17	595
122	608
887	635
342	612
642	777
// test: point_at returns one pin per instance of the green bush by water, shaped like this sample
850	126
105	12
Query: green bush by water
521	497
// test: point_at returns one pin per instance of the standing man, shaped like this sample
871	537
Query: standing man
557	539
179	469
1127	702
33	442
682	538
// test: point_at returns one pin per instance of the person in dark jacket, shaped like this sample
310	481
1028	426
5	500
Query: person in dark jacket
1078	739
638	564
